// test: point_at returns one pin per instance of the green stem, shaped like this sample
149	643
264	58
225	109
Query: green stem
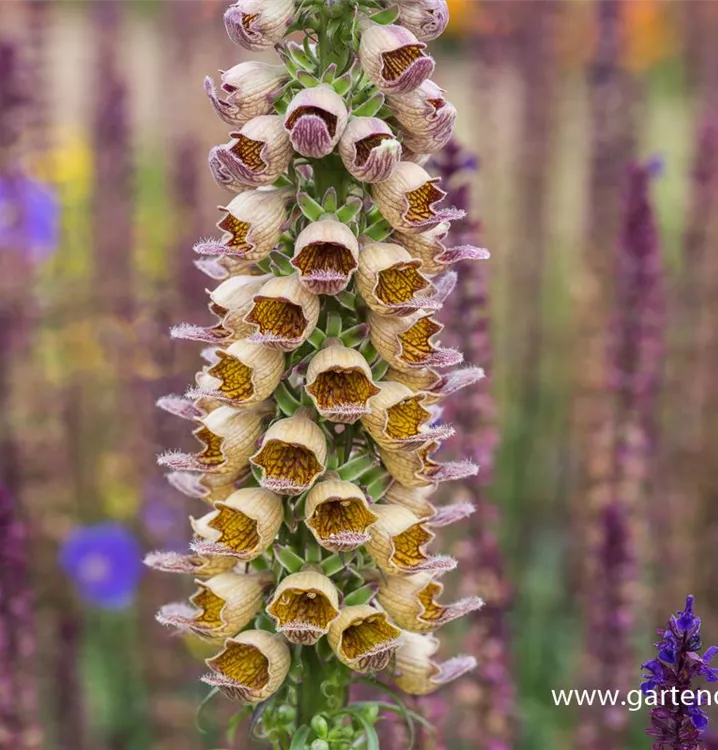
310	696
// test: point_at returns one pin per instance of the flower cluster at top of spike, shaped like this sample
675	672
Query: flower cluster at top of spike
318	407
677	719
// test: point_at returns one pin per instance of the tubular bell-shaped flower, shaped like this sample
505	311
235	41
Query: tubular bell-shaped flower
292	455
418	674
251	667
250	88
426	118
369	149
315	121
303	607
258	24
241	527
256	155
363	638
221	606
326	254
411	602
318	400
394	59
338	515
408	198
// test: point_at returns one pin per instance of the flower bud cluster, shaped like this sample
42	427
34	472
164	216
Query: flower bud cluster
318	407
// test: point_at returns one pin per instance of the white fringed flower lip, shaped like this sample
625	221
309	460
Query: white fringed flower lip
407	200
303	607
436	386
411	602
292	455
283	313
398	542
393	59
249	88
251	667
258	24
429	248
229	437
417	673
338	515
417	468
241	527
427	19
364	638
326	255
315	120
399	419
199	566
244	374
390	281
409	342
221	606
418	501
340	383
426	117
369	149
257	154
251	226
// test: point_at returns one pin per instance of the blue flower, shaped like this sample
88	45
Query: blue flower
29	216
104	562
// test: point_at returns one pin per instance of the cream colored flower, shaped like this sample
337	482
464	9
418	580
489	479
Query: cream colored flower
241	527
283	313
407	343
257	154
244	374
292	455
416	468
199	566
429	248
338	515
390	281
399	419
418	501
398	541
407	200
426	117
418	674
425	18
340	383
411	602
363	638
251	667
250	90
393	59
434	385
303	607
326	253
221	606
369	149
315	120
229	437
258	24
251	226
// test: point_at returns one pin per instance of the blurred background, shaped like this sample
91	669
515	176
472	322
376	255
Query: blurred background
589	137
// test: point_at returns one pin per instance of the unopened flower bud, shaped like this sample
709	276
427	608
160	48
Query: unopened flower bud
426	117
258	24
427	19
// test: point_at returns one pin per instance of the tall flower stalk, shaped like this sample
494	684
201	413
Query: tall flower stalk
317	406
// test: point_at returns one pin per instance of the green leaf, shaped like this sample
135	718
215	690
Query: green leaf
332	565
347	300
287	401
370	107
334	325
201	708
368	350
355	335
379	231
317	338
289	559
307	79
314	553
309	207
299	741
379	369
386	16
372	741
361	596
289	520
330	73
377	487
263	622
282	263
348	211
330	201
342	84
354	468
